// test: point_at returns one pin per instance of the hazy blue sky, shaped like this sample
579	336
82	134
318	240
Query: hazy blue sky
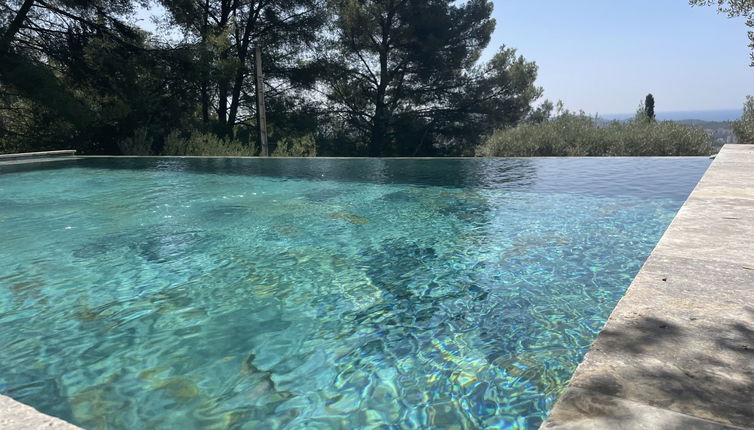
604	56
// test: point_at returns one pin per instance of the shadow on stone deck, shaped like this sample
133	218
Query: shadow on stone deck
665	377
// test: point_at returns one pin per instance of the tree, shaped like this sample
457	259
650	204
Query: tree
543	112
34	37
404	74
224	32
649	107
744	128
130	88
387	77
734	8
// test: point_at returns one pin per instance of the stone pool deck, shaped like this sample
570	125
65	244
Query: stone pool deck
41	154
17	416
36	157
678	350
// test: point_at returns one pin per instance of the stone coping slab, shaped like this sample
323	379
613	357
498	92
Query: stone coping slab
678	350
25	158
43	154
18	416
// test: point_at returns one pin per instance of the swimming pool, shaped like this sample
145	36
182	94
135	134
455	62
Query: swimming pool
321	293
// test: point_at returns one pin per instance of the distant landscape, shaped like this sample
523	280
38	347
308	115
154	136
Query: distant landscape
703	115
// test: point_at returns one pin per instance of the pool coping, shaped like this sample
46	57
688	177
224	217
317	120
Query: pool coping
22	155
678	350
670	157
37	157
18	416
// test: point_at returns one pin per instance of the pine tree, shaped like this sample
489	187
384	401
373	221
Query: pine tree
406	70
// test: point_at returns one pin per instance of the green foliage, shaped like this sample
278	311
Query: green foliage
31	80
543	112
79	77
127	89
90	88
645	111
570	134
744	128
404	76
27	126
649	107
223	35
342	77
295	147
198	143
140	143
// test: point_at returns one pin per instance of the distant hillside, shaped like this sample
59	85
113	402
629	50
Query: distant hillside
704	115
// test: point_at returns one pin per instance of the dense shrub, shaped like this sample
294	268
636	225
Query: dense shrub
296	147
572	134
744	128
197	143
206	144
140	143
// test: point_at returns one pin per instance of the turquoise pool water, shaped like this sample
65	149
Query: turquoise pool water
317	294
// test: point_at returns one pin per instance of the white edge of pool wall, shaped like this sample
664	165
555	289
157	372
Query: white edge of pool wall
678	350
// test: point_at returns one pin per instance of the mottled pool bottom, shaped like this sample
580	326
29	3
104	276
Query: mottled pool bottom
154	298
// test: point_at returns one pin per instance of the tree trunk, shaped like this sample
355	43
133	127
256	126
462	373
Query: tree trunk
222	106
381	120
261	114
223	85
205	65
235	95
243	50
379	132
205	102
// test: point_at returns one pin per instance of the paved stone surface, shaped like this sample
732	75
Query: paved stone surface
588	410
17	416
678	350
32	161
25	158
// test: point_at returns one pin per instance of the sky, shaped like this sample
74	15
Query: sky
604	56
